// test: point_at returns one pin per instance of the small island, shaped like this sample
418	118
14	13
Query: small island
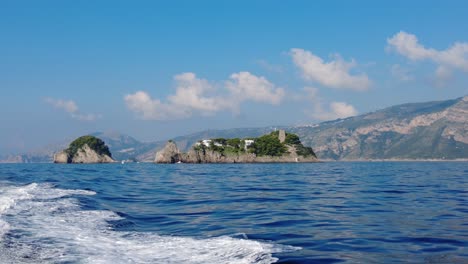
278	146
85	149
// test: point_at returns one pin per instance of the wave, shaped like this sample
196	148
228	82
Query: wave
43	224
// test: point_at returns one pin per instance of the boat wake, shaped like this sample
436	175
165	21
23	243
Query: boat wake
43	224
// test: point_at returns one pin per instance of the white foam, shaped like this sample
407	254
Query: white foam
43	224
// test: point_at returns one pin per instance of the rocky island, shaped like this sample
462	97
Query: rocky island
85	149
278	146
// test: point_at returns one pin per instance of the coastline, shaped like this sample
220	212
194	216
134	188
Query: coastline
266	162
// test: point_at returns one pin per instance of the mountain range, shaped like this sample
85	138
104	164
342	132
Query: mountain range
430	130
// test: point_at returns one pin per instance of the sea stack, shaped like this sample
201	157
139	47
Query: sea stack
169	154
85	149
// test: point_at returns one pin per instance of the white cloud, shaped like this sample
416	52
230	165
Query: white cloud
334	110
152	109
190	97
408	46
334	74
454	57
199	96
190	94
342	109
71	107
246	86
68	106
401	73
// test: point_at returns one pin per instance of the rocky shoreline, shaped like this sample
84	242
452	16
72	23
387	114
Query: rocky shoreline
206	154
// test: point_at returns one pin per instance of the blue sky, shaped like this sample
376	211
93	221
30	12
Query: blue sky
158	69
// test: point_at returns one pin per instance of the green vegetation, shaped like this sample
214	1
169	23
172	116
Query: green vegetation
304	151
199	147
224	146
292	139
94	143
266	145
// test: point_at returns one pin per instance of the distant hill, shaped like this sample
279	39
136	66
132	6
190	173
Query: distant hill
124	147
431	130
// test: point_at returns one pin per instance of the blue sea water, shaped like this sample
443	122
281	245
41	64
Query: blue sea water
343	212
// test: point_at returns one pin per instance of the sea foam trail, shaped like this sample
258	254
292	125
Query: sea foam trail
43	224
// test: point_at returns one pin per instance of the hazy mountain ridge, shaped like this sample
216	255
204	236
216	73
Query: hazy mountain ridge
430	130
433	130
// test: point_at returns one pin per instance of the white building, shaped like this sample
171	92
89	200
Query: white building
207	143
248	142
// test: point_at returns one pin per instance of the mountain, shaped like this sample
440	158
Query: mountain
431	130
124	147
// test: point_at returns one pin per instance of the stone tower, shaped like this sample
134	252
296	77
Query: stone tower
282	135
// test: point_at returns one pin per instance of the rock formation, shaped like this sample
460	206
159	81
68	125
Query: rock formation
87	149
211	156
169	154
219	153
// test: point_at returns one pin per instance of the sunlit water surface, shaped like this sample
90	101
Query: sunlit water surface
402	212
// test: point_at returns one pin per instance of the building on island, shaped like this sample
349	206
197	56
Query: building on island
248	142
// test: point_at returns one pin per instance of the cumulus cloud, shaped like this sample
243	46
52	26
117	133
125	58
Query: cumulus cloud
199	96
342	109
148	108
70	107
334	110
191	94
190	97
454	57
333	74
246	86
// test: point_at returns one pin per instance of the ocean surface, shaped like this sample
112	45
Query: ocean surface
338	212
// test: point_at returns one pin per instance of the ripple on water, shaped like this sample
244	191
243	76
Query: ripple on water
335	212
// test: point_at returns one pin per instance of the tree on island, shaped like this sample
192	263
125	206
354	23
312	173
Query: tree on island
93	143
268	145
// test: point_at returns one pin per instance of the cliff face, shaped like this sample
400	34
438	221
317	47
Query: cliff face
86	149
62	157
169	154
87	155
83	155
210	156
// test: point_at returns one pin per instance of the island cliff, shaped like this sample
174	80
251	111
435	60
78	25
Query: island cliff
278	146
85	149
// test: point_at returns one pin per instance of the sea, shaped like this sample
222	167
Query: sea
331	212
